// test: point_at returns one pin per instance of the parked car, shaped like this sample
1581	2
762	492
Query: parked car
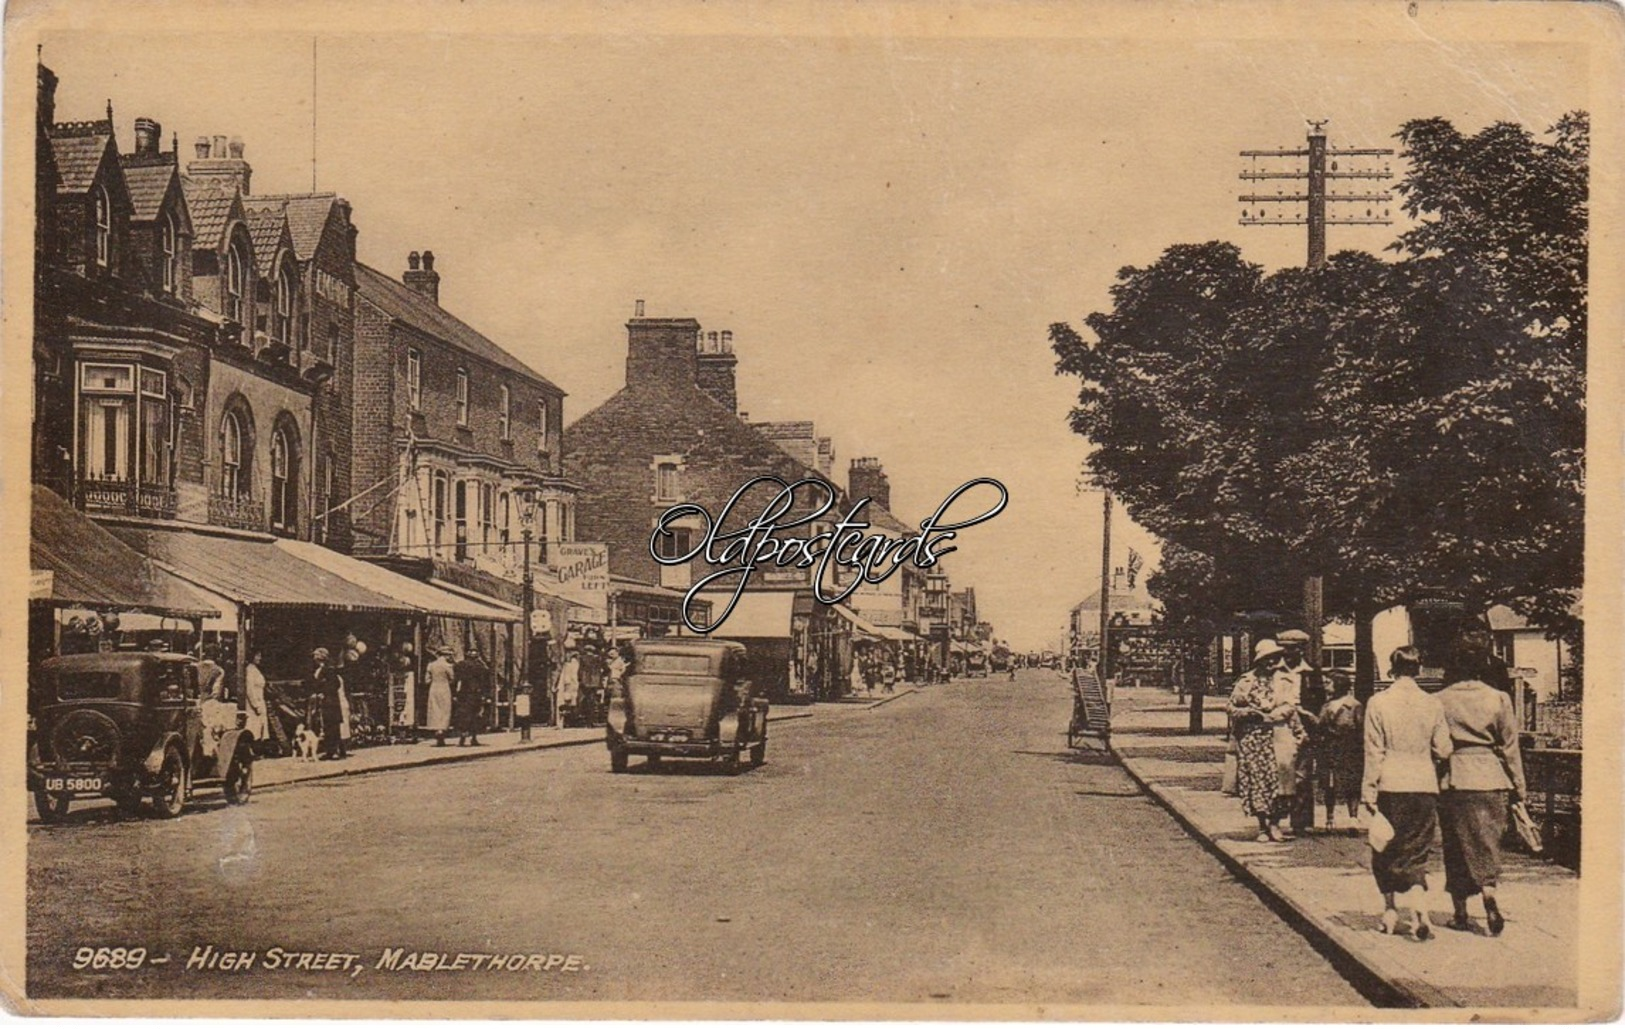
976	664
131	726
687	698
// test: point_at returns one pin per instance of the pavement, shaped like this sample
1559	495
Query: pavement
1322	882
942	855
273	773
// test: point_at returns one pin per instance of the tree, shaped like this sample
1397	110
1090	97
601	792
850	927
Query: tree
1391	425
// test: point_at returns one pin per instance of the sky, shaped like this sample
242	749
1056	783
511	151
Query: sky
888	225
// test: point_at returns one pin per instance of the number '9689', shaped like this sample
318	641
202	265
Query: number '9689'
109	958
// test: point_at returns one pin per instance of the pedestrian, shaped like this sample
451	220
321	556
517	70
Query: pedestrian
888	676
855	676
406	674
211	678
440	675
521	711
1302	687
1405	734
1485	773
1342	742
472	686
324	681
1255	715
255	720
568	692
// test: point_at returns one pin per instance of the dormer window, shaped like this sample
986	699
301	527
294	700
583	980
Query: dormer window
236	282
171	261
104	227
282	323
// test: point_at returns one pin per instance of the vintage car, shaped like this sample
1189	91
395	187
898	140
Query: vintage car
687	698
129	726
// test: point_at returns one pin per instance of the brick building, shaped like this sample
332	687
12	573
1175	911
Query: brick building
452	433
673	434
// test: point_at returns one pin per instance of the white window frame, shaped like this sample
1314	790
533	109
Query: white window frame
231	455
171	247
662	494
104	226
236	284
414	378
504	411
281	472
462	397
541	424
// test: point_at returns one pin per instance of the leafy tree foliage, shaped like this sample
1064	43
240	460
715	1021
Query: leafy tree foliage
1390	425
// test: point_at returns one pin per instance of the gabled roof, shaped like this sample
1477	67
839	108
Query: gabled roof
307	218
211	209
148	185
267	230
410	307
78	157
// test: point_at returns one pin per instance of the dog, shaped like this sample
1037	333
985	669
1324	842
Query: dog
305	743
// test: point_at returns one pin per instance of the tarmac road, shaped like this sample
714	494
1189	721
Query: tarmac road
945	847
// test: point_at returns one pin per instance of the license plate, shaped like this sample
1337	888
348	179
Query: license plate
670	737
73	784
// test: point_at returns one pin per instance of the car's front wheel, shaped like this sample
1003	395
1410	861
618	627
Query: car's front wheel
758	754
52	807
730	761
170	796
239	778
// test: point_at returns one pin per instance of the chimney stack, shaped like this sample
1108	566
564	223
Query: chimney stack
148	136
662	353
866	478
220	164
423	279
714	369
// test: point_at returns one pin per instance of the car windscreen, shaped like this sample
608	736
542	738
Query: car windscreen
682	664
88	685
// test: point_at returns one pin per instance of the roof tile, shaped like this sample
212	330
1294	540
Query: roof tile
77	159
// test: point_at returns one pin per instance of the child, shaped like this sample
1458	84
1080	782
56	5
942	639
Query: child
521	711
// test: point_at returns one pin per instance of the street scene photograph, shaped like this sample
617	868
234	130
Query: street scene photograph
897	512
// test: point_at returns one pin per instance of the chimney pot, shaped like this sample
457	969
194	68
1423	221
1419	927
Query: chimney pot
236	147
727	341
219	148
420	275
637	309
412	260
202	148
428	260
148	133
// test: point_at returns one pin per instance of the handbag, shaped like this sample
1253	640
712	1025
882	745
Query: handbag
1528	829
1379	832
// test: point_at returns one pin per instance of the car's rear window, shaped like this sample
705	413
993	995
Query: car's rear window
685	664
88	686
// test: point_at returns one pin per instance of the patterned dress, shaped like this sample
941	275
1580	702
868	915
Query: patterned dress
1257	781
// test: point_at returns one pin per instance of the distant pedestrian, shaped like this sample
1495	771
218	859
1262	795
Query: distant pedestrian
1405	734
1300	685
1255	715
1342	743
324	681
254	717
888	677
521	711
441	675
1485	773
211	677
568	691
471	686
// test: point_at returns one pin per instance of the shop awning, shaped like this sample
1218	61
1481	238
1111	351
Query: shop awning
859	622
89	566
255	572
759	615
892	632
420	595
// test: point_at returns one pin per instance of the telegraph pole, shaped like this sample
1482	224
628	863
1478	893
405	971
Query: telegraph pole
1314	174
1105	580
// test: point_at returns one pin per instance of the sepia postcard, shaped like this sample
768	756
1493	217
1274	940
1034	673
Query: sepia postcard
902	511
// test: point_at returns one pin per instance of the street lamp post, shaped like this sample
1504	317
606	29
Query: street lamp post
527	584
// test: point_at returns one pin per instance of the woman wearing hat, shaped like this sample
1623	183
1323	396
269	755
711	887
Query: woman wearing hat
1254	716
440	674
1405	735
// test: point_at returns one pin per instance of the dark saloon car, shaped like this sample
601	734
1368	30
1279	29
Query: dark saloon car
131	726
687	698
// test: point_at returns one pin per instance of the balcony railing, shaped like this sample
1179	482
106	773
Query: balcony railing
242	511
112	496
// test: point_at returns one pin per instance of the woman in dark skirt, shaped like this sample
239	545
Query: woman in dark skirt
1254	714
1486	771
1405	734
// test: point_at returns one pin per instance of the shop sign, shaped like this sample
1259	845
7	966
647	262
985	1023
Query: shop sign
541	622
41	584
579	573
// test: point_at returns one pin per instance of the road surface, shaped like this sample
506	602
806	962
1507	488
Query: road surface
945	847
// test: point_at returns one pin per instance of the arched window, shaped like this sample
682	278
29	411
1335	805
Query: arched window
282	323
171	251
104	227
236	281
233	477
284	481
